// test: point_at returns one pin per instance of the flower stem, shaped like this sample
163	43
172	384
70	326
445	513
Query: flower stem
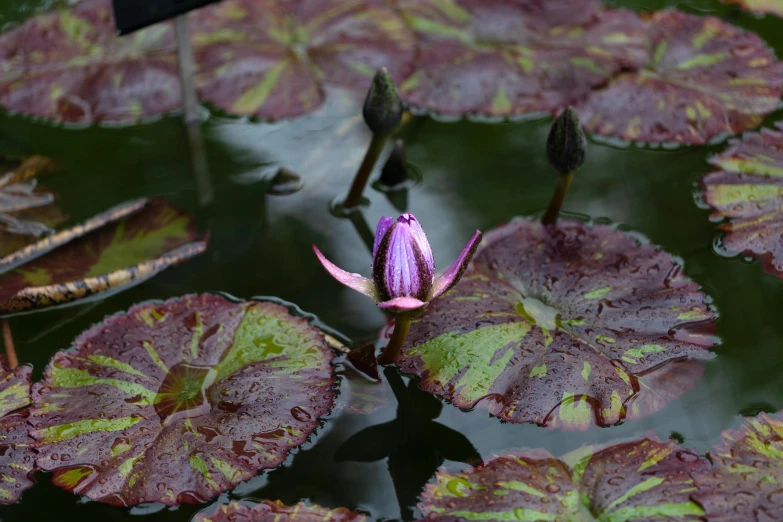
402	326
8	341
563	182
365	169
362	228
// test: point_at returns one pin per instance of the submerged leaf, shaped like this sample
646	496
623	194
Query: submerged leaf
108	257
268	511
17	458
509	58
644	480
176	402
748	190
564	326
744	483
702	78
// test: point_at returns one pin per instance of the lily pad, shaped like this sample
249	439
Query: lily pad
643	481
268	511
69	66
176	402
361	391
111	257
748	191
760	6
269	58
564	326
702	78
501	58
17	458
744	483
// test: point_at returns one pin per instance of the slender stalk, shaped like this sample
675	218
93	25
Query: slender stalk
362	228
186	69
402	326
563	182
365	169
8	341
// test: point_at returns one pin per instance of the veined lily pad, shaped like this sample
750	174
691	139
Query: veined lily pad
68	65
501	58
744	483
268	511
268	58
563	326
109	257
748	190
17	458
702	78
176	402
641	481
760	6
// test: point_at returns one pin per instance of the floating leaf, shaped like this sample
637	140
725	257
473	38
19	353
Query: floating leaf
268	511
68	65
268	58
564	326
760	6
17	458
703	78
744	483
644	480
508	58
179	401
748	190
111	257
362	390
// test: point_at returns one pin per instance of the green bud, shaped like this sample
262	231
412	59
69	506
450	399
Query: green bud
382	108
566	146
395	170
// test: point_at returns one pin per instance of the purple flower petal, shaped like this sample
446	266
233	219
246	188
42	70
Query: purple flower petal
354	281
455	271
402	304
384	224
420	237
401	268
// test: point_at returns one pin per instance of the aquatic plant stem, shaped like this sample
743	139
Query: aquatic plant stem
362	228
8	342
402	326
563	183
365	169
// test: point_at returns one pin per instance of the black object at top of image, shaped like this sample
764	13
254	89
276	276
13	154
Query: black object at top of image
132	15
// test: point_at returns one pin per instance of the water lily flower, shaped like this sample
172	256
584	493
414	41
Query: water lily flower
403	268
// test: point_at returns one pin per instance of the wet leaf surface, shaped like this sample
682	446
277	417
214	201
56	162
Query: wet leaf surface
17	458
503	58
744	483
153	237
565	326
702	78
68	66
361	389
269	511
176	402
774	7
643	481
747	191
269	58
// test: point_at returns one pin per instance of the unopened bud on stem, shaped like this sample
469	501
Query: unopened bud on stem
566	147
382	108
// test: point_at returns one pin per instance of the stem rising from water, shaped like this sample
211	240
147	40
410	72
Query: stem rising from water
402	326
563	183
8	341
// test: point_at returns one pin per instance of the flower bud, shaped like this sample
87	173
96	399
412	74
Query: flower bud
382	108
403	265
566	146
395	170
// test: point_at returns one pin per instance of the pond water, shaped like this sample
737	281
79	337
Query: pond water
475	175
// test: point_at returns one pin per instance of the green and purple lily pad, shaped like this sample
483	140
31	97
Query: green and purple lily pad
744	482
115	250
644	480
17	458
176	402
747	192
502	58
268	511
774	7
702	78
566	326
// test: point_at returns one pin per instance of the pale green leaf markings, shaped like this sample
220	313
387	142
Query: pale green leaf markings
655	456
76	378
114	363
500	103
76	28
598	293
253	99
199	465
662	511
155	356
452	10
586	368
575	410
728	195
73	477
701	60
429	26
660	52
586	63
517	485
538	371
198	331
633	355
750	166
518	514
126	467
6	494
228	471
648	484
70	430
477	351
14	397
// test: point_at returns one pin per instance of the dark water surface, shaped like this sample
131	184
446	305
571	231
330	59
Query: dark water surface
475	176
